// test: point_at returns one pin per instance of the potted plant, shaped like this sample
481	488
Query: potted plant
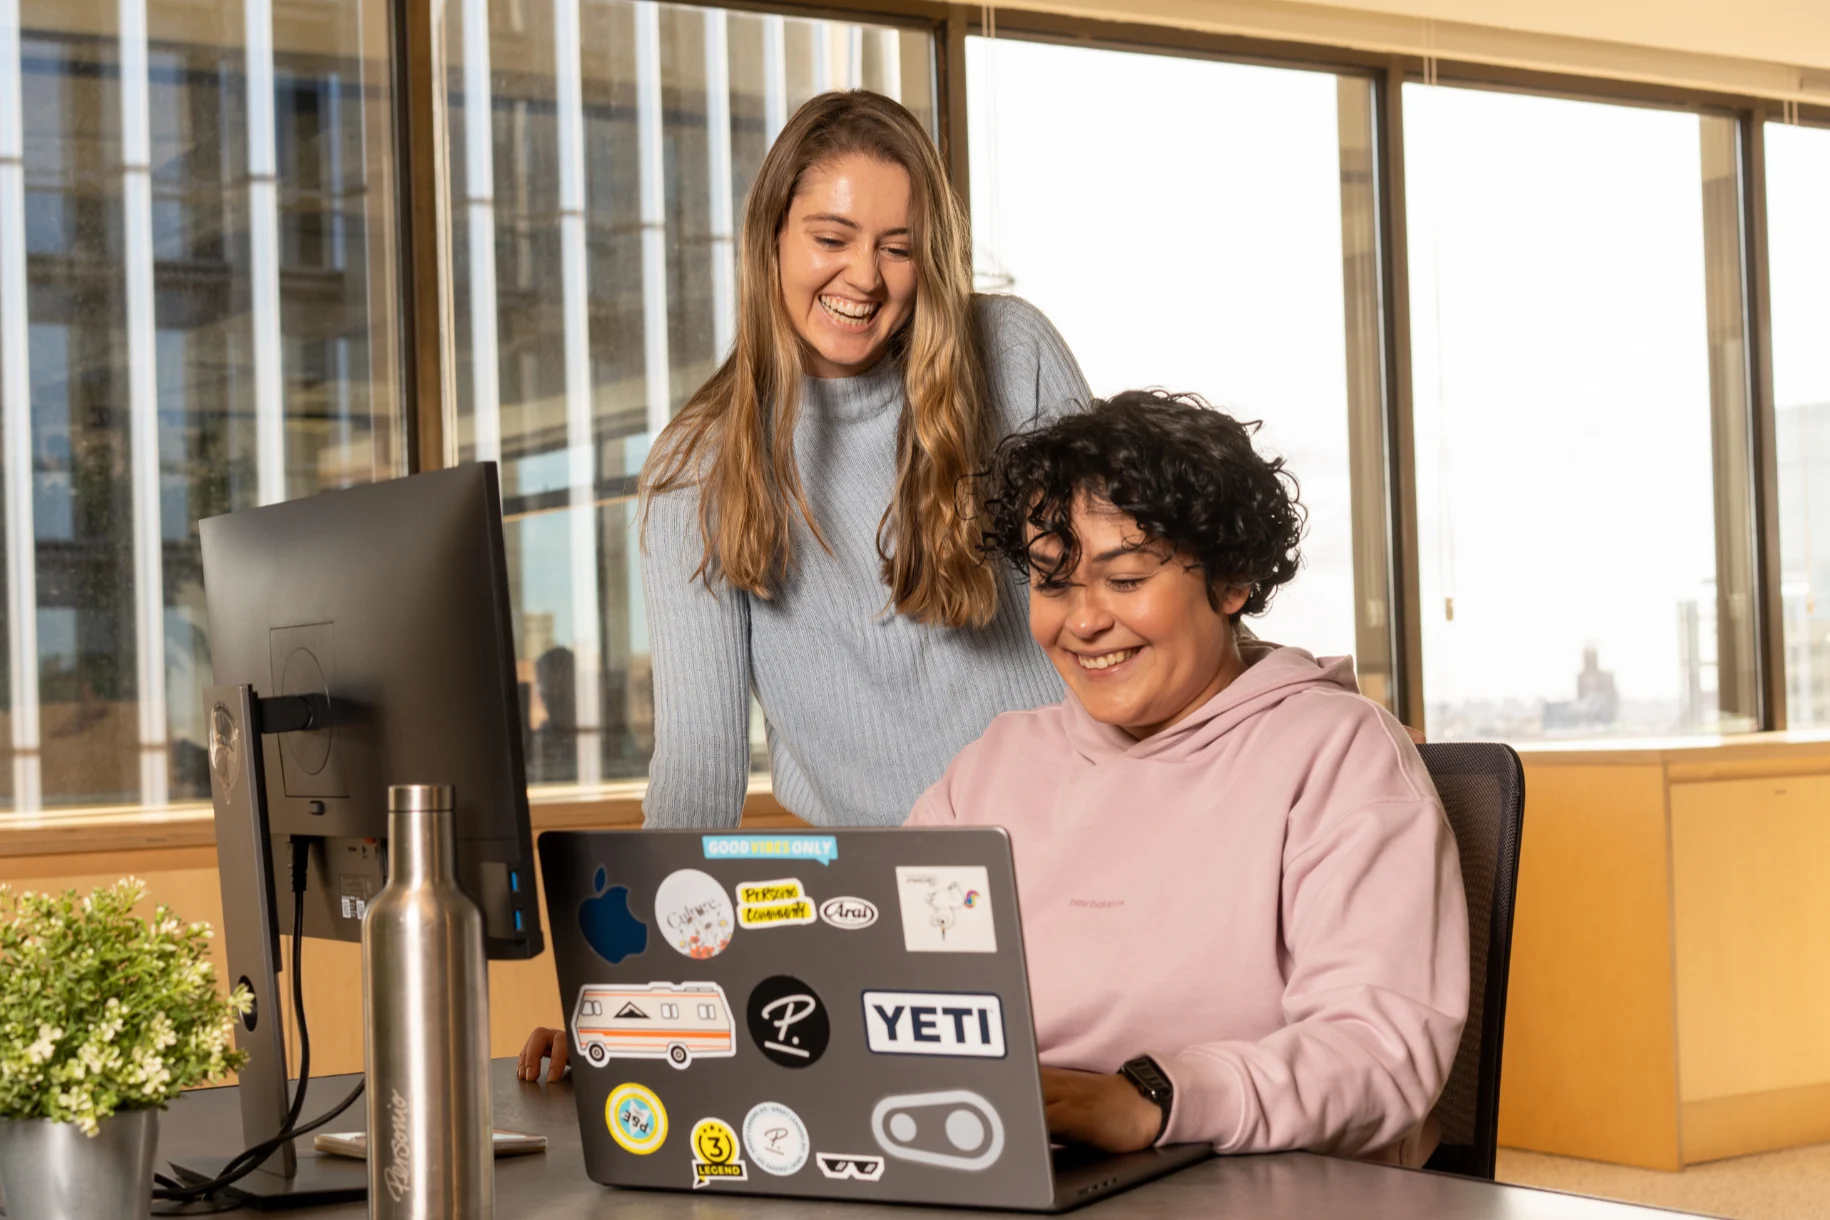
104	1018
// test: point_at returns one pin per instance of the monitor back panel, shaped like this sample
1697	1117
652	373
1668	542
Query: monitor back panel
838	1015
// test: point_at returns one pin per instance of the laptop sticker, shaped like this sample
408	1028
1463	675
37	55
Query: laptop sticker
934	1023
821	848
787	1021
717	1156
847	1166
694	913
848	913
775	1138
946	909
678	1022
773	904
954	1129
611	929
636	1118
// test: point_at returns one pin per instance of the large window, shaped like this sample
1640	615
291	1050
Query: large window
1580	412
601	151
1209	227
1798	238
196	315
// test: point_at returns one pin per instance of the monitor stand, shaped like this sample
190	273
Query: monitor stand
237	719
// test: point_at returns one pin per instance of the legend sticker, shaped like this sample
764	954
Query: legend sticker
716	1153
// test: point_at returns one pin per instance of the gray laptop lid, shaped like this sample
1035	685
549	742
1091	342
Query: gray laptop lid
839	1014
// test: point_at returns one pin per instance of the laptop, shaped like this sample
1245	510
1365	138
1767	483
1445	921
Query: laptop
835	1015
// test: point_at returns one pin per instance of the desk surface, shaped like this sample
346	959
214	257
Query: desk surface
553	1185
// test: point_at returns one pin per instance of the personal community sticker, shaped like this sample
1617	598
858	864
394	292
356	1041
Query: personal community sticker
694	913
946	909
773	904
717	1157
775	1138
821	848
636	1118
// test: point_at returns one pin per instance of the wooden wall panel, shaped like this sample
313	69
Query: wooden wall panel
1590	1055
1753	935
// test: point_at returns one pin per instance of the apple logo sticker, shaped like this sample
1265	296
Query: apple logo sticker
610	927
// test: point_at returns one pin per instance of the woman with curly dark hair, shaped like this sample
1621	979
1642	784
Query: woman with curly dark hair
1237	882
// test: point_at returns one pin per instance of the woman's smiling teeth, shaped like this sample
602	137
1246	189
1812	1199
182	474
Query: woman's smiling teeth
1105	660
853	314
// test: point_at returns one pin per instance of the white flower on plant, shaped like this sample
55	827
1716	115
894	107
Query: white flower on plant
46	1046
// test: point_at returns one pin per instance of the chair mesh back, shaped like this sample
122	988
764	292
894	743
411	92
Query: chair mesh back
1482	787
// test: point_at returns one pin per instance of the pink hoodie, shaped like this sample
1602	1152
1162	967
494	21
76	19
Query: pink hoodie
1264	897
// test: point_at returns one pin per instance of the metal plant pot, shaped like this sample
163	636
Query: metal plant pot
52	1171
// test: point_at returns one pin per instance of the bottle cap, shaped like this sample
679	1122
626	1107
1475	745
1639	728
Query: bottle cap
421	798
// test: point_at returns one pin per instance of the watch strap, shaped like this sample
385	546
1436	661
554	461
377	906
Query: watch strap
1148	1078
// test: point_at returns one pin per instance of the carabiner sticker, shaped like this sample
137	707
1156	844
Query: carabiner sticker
953	1128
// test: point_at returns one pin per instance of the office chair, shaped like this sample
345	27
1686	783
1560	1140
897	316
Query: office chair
1482	787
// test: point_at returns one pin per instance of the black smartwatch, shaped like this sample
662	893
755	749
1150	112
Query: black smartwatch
1150	1080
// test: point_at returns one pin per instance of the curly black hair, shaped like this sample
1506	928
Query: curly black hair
1185	471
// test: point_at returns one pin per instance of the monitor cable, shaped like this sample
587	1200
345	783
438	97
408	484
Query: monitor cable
198	1198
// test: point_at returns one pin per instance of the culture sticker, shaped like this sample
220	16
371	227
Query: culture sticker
946	909
774	904
636	1118
694	913
717	1157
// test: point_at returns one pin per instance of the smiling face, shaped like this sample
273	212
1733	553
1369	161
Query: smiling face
1131	629
847	271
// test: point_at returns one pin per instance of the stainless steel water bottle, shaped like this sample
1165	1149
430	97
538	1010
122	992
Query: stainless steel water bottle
425	1007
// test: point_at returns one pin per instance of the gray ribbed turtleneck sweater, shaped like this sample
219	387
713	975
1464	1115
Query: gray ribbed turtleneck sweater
865	707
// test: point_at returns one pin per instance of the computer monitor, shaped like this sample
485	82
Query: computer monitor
389	602
359	639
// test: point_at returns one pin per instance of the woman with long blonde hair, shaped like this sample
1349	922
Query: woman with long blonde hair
806	532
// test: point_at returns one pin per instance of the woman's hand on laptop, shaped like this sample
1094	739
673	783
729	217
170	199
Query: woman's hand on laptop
1098	1108
543	1043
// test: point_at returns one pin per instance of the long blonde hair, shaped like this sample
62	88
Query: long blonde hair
734	439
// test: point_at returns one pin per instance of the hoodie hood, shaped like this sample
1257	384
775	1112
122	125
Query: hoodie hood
1273	674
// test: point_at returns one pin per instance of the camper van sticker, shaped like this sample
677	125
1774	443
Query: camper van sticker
636	1118
823	849
787	1021
773	904
775	1138
678	1022
946	909
716	1153
611	929
954	1129
694	913
849	1166
934	1023
848	913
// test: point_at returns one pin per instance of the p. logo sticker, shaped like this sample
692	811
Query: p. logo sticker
636	1118
788	1022
717	1157
776	1138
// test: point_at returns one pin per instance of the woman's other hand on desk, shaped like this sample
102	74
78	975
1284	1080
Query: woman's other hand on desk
543	1043
1102	1109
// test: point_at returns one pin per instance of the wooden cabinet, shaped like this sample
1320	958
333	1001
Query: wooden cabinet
1670	989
